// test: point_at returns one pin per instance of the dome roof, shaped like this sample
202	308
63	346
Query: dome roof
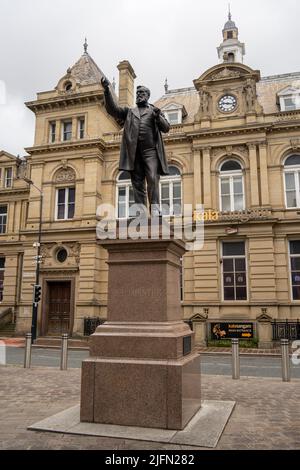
229	24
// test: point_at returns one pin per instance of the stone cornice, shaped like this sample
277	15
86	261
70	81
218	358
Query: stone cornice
6	193
65	146
58	102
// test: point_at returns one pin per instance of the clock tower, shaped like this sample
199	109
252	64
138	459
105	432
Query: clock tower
231	49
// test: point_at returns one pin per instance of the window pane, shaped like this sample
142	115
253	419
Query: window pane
292	160
71	210
67	130
240	264
236	249
241	293
61	196
61	211
225	186
295	247
228	279
125	175
296	278
231	165
173	171
176	208
122	194
2	263
177	190
165	191
121	210
71	195
226	206
296	292
132	213
290	181
291	199
173	117
238	203
295	264
237	185
3	209
228	265
240	279
229	293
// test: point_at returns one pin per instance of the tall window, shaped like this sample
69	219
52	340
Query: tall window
231	187
2	264
81	128
292	181
234	271
52	133
170	192
124	196
65	206
3	218
8	177
67	130
295	268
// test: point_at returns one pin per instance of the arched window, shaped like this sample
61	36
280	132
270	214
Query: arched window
170	194
231	187
231	57
292	181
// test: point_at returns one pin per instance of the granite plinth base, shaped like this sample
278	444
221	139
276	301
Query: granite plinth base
141	392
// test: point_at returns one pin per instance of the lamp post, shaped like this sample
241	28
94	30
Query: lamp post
37	287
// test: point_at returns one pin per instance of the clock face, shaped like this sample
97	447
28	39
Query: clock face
227	103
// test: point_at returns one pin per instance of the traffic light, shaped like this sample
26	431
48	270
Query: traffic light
37	293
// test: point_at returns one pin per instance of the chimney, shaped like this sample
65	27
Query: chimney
126	84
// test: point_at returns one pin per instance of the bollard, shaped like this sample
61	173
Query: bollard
64	352
27	357
235	358
285	360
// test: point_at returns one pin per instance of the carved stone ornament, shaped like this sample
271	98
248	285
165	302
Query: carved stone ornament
65	175
226	73
74	250
230	150
295	144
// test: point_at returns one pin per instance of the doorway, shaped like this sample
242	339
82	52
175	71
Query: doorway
59	307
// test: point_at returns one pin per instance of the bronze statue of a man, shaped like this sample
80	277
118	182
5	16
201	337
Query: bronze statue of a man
142	150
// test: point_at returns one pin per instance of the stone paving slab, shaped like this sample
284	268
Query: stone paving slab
204	429
266	415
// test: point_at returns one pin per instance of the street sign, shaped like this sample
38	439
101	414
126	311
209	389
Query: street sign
232	330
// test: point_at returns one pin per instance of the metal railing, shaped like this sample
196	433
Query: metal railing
286	330
90	324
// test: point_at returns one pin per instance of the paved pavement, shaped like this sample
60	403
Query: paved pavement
266	416
214	364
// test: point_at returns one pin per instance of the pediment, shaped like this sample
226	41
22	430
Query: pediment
287	91
173	106
264	317
7	157
227	71
198	317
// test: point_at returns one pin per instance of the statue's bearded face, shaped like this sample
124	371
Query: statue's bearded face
142	96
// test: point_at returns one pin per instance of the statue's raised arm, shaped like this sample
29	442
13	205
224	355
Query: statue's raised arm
118	112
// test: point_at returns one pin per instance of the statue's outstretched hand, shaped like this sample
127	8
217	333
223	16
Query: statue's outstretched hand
105	82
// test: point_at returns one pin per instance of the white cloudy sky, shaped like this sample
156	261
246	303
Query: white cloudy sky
40	39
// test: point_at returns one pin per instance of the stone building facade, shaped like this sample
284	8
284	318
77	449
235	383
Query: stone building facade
234	146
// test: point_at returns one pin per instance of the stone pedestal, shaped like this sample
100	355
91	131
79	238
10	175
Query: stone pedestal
142	369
